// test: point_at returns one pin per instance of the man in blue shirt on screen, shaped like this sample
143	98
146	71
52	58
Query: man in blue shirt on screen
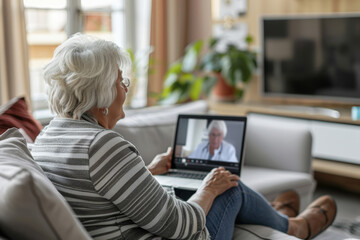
216	148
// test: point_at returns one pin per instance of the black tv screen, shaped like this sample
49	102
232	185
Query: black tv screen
312	57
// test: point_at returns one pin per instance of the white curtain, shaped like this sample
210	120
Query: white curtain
14	59
138	39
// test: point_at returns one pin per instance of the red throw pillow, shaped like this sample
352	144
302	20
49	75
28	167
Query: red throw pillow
16	114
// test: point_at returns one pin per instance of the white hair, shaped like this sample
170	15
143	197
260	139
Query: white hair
218	124
83	73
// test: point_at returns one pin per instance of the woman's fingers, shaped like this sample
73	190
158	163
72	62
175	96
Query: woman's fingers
169	152
222	172
234	177
220	179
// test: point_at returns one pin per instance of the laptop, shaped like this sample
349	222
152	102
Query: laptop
200	146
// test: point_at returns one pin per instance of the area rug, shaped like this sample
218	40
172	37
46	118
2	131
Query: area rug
342	229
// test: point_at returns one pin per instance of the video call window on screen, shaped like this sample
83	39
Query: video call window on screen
204	141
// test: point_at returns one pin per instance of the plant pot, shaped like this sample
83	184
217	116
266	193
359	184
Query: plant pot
222	91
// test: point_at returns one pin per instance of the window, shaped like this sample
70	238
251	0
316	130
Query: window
49	23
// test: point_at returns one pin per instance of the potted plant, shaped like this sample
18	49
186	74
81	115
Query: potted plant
195	76
233	67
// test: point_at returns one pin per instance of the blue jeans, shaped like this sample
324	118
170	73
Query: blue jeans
242	205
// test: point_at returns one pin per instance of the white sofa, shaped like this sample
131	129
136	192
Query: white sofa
277	158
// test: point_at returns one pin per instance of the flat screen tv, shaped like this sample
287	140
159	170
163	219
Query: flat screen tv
315	57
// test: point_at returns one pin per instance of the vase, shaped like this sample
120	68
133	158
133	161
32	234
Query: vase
222	91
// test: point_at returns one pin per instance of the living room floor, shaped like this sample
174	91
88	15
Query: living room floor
347	221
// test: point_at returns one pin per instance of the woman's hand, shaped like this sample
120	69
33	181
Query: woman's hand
219	180
215	183
161	163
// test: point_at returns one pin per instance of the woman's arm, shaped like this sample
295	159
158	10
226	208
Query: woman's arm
218	181
119	174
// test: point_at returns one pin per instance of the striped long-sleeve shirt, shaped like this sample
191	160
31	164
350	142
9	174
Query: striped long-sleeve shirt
105	181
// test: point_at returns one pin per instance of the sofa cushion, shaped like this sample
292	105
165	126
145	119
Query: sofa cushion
276	144
256	232
271	182
30	206
152	129
16	114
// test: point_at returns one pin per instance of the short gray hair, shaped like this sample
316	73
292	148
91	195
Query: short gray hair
218	124
83	73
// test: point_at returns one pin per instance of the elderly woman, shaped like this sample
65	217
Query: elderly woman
104	179
216	148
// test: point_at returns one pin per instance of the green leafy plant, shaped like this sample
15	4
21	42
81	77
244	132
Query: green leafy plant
192	77
183	80
235	65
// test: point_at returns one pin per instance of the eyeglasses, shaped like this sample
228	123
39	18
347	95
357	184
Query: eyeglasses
214	135
126	82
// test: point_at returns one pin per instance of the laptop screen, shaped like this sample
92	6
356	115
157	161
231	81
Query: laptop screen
204	142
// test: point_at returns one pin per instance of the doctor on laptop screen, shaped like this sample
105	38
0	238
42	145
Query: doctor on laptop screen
207	142
215	147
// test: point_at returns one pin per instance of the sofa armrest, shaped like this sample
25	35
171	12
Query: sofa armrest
271	142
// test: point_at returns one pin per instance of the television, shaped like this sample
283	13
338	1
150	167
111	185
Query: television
311	57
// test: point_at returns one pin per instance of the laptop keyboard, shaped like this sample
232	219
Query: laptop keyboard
188	175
